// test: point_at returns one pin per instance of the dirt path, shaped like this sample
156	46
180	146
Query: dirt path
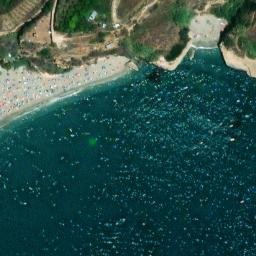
114	7
143	14
57	38
53	16
253	17
210	4
145	11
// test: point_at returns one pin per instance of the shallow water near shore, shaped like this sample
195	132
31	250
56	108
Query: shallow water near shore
156	163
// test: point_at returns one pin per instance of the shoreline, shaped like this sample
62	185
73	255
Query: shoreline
172	65
124	67
204	33
55	98
239	63
204	47
73	85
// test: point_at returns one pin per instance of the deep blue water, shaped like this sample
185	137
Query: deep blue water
155	163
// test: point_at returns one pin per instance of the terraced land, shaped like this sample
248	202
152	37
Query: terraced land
7	5
21	13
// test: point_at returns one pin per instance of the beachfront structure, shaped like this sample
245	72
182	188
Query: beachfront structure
93	16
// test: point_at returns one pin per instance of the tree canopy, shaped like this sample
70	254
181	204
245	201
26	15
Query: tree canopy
6	5
181	15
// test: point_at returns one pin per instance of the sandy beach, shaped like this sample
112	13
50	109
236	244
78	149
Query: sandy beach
204	33
21	90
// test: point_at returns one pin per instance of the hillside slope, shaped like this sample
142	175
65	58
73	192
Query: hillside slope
18	15
238	41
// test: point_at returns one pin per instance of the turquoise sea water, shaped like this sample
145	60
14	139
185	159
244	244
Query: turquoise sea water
155	163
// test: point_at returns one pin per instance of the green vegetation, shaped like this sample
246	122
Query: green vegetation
73	16
229	9
47	7
45	62
239	35
178	48
228	42
8	45
9	53
6	5
47	65
45	53
175	52
137	50
180	14
100	38
22	62
248	46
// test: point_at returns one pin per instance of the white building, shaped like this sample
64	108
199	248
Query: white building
93	16
116	25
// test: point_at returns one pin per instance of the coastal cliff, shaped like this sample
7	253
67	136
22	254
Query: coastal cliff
172	65
241	63
238	40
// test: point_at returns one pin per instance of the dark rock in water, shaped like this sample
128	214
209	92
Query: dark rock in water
137	167
155	76
236	123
